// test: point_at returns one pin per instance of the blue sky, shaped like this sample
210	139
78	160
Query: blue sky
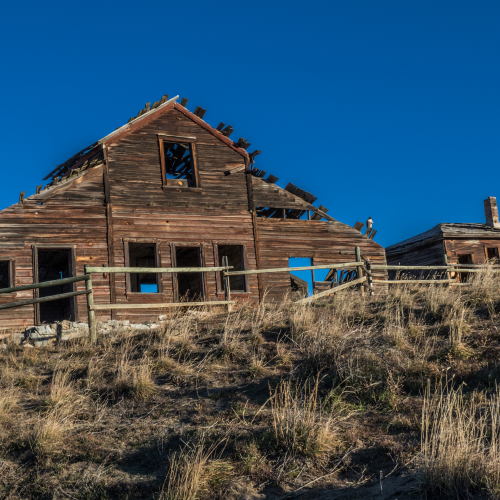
387	109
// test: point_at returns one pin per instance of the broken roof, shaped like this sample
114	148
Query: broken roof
93	155
64	169
445	229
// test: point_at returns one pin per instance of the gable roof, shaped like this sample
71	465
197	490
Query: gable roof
445	229
143	118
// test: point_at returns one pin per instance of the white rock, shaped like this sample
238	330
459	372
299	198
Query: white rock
139	326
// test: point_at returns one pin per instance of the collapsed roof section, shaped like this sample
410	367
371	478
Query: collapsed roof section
270	200
144	116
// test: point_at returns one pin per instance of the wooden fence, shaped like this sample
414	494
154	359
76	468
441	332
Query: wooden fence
362	277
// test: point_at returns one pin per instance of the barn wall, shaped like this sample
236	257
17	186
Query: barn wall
455	247
425	255
216	211
325	242
72	215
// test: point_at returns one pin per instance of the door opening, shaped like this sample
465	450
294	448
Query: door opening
55	264
189	285
464	259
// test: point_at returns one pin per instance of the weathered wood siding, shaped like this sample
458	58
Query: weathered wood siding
216	211
325	242
456	247
426	255
72	214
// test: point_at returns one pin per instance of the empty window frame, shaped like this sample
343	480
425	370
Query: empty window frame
491	253
236	256
178	162
142	254
7	269
189	286
280	213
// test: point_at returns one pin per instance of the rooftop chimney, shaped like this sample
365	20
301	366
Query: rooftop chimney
491	212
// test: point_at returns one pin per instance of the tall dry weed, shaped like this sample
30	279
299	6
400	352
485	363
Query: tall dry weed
301	426
460	443
187	468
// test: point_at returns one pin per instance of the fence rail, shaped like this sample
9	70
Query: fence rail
43	284
363	278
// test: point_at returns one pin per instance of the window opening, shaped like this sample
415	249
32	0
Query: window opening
464	259
179	165
280	213
189	285
492	253
235	258
142	255
5	281
301	282
55	264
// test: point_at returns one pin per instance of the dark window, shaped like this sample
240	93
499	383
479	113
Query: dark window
178	164
492	253
464	259
189	285
142	255
235	257
5	281
55	264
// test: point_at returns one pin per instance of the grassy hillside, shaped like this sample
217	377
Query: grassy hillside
387	397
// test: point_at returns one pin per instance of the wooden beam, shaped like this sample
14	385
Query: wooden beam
235	167
184	101
199	112
271	179
327	217
42	299
316	216
21	197
254	154
403	282
227	131
44	284
156	270
331	291
286	269
257	252
161	305
109	228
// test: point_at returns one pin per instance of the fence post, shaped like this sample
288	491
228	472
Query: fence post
227	285
369	277
359	270
448	274
90	305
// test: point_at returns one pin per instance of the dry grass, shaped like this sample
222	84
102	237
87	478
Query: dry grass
187	469
460	443
300	424
87	409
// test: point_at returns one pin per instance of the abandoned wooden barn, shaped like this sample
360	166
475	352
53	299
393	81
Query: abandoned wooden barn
164	190
454	243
